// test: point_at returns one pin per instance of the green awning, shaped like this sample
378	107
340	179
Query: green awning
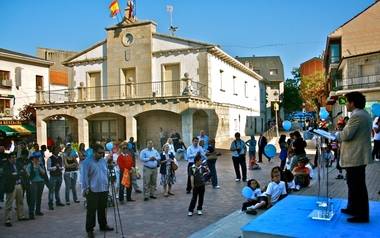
8	131
30	128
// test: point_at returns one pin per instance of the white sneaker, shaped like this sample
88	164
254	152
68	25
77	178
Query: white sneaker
237	180
217	187
189	214
377	160
199	212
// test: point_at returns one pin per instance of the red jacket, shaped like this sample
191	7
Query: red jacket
125	162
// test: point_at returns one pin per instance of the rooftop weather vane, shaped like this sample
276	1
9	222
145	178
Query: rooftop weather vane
172	29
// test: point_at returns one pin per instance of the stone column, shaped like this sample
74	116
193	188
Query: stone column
130	127
83	131
187	126
40	95
41	131
81	93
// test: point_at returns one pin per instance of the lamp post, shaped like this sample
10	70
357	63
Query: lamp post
276	108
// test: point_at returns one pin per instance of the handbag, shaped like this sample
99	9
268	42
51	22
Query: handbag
126	180
174	166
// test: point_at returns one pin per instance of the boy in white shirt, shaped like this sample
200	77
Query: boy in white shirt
276	191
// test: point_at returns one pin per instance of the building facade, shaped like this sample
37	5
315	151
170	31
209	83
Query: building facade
20	76
352	58
137	81
272	87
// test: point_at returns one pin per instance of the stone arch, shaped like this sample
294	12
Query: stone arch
150	122
61	128
106	125
200	122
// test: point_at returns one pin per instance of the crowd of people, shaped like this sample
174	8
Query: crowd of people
27	169
25	172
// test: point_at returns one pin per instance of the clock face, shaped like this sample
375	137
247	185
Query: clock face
127	39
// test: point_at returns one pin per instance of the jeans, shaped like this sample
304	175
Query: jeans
376	150
1	189
70	183
198	193
36	190
55	187
214	177
240	162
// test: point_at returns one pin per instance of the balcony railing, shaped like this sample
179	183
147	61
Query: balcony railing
160	89
358	82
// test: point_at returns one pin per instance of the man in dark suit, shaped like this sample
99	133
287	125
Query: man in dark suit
261	143
355	153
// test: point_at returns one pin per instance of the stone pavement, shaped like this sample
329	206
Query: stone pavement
167	217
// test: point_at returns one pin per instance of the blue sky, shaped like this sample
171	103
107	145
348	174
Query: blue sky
296	30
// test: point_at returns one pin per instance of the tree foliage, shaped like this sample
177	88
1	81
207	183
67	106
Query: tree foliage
313	90
28	113
292	98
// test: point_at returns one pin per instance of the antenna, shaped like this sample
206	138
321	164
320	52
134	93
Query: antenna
172	29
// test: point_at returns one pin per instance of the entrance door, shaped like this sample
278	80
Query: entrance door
171	82
94	86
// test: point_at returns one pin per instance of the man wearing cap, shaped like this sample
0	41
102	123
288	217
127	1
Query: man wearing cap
36	174
13	190
355	154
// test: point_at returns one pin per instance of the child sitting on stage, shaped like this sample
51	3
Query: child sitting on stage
275	192
256	192
301	174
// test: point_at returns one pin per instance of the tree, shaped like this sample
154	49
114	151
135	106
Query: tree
28	113
313	90
292	98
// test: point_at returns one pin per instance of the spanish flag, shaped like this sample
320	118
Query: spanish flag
114	8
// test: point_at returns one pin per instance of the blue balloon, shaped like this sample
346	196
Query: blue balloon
323	113
286	125
109	146
376	109
247	192
270	150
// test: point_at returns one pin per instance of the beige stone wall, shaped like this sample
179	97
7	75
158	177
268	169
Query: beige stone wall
362	34
149	123
132	56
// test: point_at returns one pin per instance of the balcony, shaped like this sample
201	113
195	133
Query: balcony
358	83
129	91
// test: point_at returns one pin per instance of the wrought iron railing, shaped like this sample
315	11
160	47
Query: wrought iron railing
358	82
159	89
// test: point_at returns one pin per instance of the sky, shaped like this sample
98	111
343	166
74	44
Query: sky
295	30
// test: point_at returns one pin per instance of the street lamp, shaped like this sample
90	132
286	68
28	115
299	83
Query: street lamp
276	107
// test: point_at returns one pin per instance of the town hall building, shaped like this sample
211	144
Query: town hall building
137	81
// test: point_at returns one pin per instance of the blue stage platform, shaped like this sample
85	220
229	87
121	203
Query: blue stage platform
289	218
